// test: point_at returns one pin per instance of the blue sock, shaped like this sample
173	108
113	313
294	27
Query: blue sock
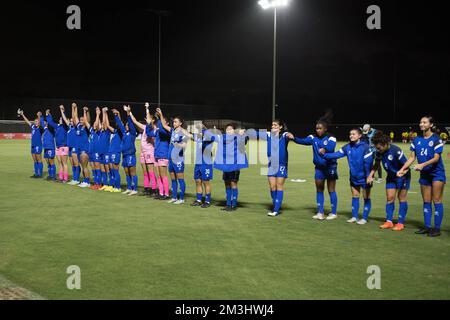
427	214
49	169
438	215
199	197
73	172
99	176
355	208
278	200
208	197
40	168
135	182
320	200
54	170
129	182
86	180
273	195
182	188
104	178
390	207
229	196
110	178
76	173
235	194
402	212
174	189
117	178
334	202
36	169
367	208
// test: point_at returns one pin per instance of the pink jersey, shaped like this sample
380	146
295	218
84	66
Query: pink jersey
147	147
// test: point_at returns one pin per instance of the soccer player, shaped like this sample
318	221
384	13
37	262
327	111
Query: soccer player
203	169
104	140
114	152
82	126
230	159
405	136
129	135
360	159
72	145
62	151
48	143
162	141
427	149
392	159
368	133
325	170
36	143
147	157
94	154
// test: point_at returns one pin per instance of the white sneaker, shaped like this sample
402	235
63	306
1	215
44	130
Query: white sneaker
362	221
331	216
179	202
172	200
319	216
73	182
352	220
126	191
133	193
272	214
84	185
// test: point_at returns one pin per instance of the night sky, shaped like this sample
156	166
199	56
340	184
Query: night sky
219	53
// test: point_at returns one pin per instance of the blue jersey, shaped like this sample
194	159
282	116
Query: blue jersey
128	137
360	160
425	149
48	138
115	145
61	132
82	138
392	160
176	152
203	147
36	136
162	140
72	137
326	142
277	146
93	140
231	155
104	141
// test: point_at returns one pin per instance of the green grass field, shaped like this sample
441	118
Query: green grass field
140	248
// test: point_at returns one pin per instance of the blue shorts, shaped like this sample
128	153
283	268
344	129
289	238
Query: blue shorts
72	150
203	172
36	150
129	160
95	157
360	183
114	158
326	173
278	172
402	183
49	153
232	176
176	167
427	178
104	158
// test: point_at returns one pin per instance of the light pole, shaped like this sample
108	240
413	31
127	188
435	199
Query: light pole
267	4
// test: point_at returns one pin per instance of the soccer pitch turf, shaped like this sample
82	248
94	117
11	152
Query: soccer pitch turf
140	248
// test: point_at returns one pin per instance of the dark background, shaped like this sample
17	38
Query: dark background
218	54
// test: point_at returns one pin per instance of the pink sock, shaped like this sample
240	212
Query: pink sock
61	175
166	185
66	176
160	186
146	181
153	179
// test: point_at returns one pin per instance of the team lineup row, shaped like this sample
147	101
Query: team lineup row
103	144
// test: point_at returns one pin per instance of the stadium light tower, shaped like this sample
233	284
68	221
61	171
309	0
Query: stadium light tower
269	4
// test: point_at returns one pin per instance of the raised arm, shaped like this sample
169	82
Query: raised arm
97	118
25	118
119	123
49	119
75	114
163	122
106	120
138	125
41	119
86	118
63	115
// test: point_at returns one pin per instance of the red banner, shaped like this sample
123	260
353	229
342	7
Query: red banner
15	136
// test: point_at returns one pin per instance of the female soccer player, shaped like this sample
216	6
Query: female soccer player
48	143
104	140
72	145
360	160
326	170
230	159
82	126
203	169
176	156
62	151
147	157
427	149
129	135
94	154
162	141
392	159
36	143
114	152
